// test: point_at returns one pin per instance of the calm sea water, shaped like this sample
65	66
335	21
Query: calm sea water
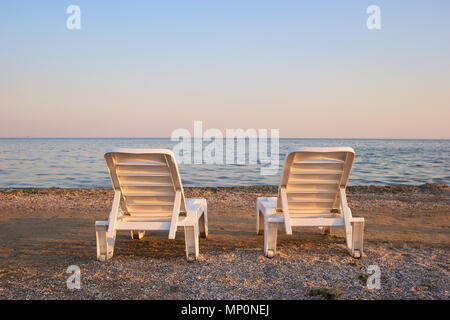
78	163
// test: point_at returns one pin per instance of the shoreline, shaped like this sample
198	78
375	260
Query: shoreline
426	187
43	231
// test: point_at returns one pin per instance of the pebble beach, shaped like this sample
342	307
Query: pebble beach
44	231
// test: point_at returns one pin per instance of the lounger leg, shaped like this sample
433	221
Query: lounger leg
203	226
325	230
137	235
270	239
110	246
259	222
102	244
191	239
358	233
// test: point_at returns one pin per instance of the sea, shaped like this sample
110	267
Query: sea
79	162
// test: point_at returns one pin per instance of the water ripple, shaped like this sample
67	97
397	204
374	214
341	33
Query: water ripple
79	163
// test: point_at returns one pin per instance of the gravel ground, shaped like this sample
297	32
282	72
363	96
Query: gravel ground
295	273
43	231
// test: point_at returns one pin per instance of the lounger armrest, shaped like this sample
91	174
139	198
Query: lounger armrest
187	221
273	217
114	214
101	223
284	208
175	215
194	211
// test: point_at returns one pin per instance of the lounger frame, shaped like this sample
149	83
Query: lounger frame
148	195
311	194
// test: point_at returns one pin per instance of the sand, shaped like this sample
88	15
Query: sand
43	231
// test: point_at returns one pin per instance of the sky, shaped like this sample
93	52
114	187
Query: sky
311	69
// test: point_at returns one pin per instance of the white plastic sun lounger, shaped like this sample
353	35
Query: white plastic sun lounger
148	195
311	194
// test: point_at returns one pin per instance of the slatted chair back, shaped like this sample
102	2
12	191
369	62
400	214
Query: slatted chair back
311	182
150	184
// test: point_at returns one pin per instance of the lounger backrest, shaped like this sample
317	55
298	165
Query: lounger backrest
148	180
312	178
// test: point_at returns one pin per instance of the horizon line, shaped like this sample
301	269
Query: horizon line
305	138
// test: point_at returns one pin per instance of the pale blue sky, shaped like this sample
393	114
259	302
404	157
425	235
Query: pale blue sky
145	68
